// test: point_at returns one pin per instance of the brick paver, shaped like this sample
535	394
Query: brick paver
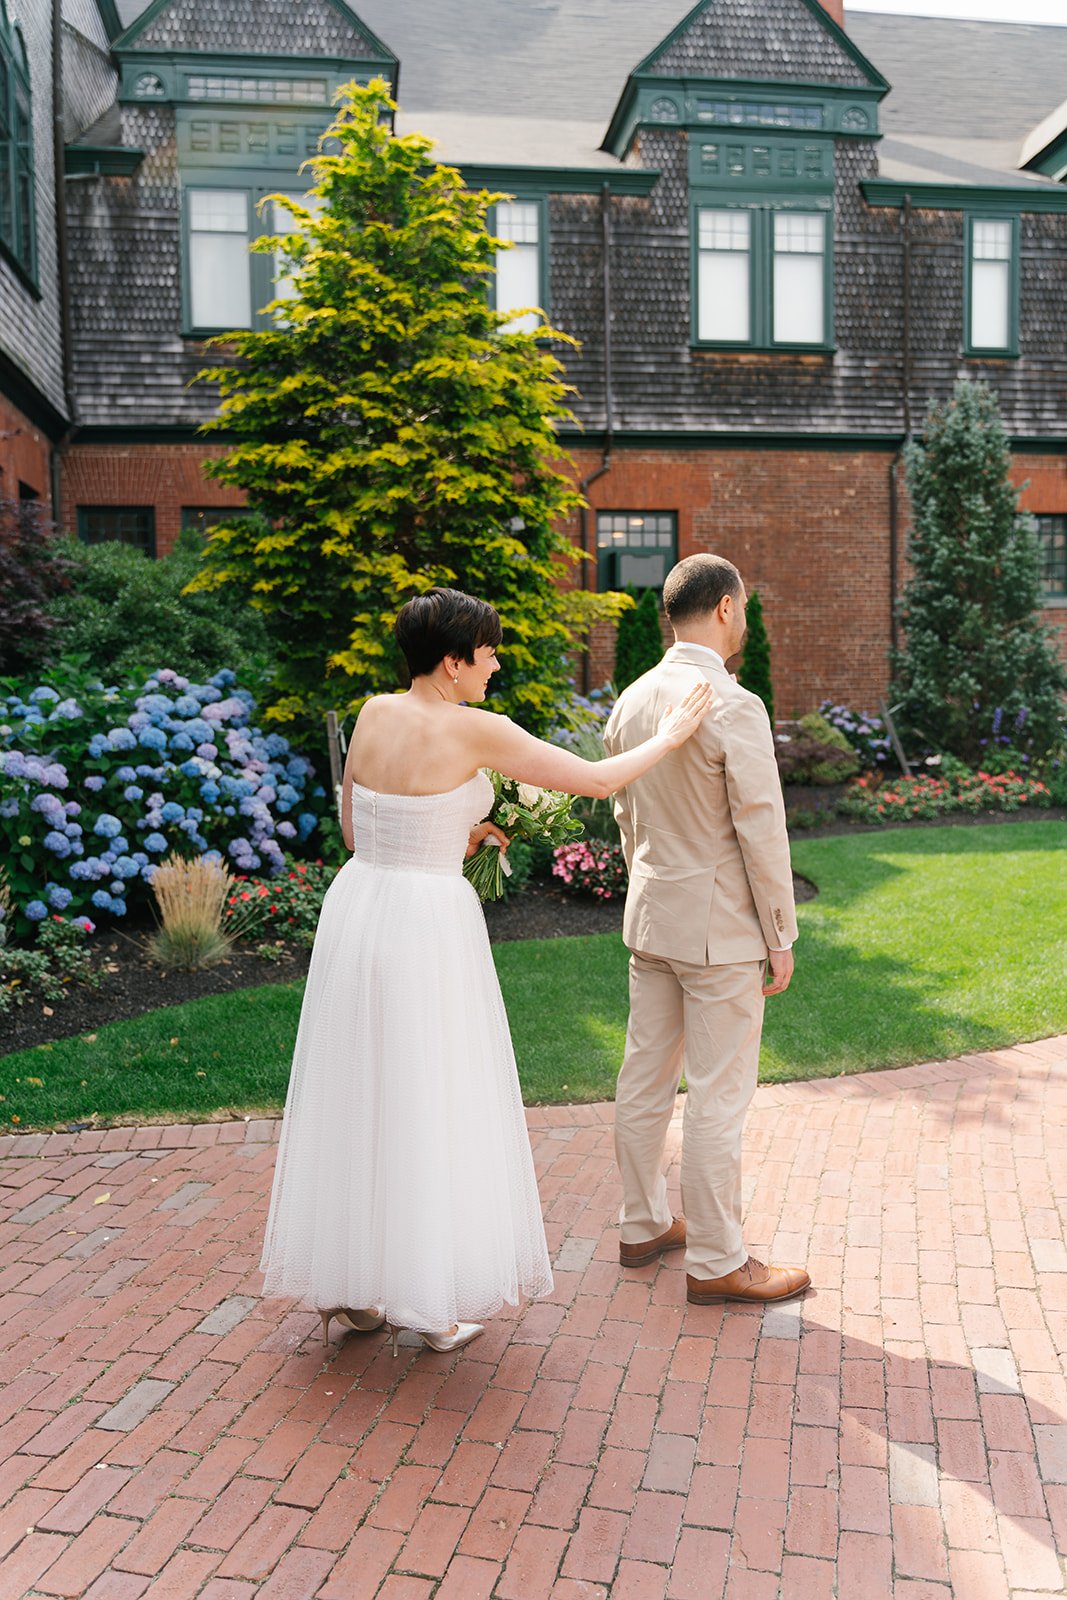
901	1432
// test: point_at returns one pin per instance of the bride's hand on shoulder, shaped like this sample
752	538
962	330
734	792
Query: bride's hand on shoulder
677	724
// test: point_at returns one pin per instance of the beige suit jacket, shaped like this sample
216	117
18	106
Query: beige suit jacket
704	830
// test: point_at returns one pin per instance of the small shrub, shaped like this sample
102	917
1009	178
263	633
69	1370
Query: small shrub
755	673
59	957
814	752
591	866
286	907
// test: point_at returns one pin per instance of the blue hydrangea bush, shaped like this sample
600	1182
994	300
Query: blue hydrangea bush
867	734
99	782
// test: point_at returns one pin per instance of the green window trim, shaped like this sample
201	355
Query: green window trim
1009	348
1052	539
526	198
260	223
635	549
18	190
762	210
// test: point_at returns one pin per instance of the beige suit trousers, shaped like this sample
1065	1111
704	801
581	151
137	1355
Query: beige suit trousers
707	1020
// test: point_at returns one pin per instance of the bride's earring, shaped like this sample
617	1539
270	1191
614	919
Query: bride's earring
455	677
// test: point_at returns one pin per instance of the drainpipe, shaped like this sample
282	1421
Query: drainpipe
62	253
609	405
906	383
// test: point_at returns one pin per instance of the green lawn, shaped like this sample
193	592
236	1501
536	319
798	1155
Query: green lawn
921	944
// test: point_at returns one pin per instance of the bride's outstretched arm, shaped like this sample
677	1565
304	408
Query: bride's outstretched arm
517	754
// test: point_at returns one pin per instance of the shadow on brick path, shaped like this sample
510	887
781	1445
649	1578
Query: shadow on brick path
902	1431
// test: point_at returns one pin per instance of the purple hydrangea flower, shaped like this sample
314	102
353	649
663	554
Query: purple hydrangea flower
36	911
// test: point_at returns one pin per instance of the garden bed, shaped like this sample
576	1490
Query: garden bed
133	983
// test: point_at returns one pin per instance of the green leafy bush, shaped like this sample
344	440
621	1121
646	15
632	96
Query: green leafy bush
126	612
811	751
34	569
59	957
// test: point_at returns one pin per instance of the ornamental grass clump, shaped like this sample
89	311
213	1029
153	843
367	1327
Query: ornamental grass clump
191	899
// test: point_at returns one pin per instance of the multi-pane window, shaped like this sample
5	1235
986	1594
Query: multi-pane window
762	276
219	279
284	222
282	91
635	548
1052	538
991	290
16	150
799	277
518	269
134	525
724	285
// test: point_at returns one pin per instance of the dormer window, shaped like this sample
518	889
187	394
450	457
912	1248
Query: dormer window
250	90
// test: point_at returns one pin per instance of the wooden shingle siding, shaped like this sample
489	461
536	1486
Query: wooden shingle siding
775	39
256	27
29	321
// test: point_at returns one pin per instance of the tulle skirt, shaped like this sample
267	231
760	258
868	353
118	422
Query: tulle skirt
404	1177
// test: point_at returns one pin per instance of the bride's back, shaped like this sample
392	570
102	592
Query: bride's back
402	745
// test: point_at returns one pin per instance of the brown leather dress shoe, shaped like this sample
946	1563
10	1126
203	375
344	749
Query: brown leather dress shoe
636	1255
753	1282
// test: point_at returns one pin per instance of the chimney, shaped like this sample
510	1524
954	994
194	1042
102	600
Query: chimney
836	9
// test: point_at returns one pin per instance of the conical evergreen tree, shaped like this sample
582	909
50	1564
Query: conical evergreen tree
755	671
390	435
639	641
974	641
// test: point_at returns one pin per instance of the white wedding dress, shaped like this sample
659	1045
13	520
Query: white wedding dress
404	1177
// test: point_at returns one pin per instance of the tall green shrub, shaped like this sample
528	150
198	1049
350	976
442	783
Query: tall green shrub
755	671
391	435
639	640
33	571
974	641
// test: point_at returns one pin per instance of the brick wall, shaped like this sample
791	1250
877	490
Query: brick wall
24	455
810	530
167	477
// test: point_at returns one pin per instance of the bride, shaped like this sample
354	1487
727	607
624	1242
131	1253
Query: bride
404	1191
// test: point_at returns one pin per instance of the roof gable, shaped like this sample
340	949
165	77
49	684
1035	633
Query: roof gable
255	27
777	41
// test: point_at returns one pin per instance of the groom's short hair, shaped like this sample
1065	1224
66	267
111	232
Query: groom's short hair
696	585
444	622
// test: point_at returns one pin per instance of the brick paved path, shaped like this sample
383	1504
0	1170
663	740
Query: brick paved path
902	1431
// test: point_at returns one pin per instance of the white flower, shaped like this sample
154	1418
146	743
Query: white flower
529	795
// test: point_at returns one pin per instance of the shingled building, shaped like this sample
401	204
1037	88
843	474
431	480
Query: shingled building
776	231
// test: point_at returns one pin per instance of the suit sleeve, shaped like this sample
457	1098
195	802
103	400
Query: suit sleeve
754	791
619	801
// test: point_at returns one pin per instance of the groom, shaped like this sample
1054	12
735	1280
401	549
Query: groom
709	907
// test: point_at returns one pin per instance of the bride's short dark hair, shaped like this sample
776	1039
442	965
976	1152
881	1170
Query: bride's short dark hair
444	622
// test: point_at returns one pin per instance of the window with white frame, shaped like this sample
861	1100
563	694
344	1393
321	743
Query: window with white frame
220	289
724	282
518	268
762	276
991	310
799	277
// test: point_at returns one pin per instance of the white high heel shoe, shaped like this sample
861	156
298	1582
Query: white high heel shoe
441	1342
367	1321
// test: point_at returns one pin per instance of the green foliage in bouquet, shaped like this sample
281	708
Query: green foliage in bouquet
974	638
526	813
639	641
390	434
755	671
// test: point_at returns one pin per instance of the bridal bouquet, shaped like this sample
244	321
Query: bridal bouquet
524	812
